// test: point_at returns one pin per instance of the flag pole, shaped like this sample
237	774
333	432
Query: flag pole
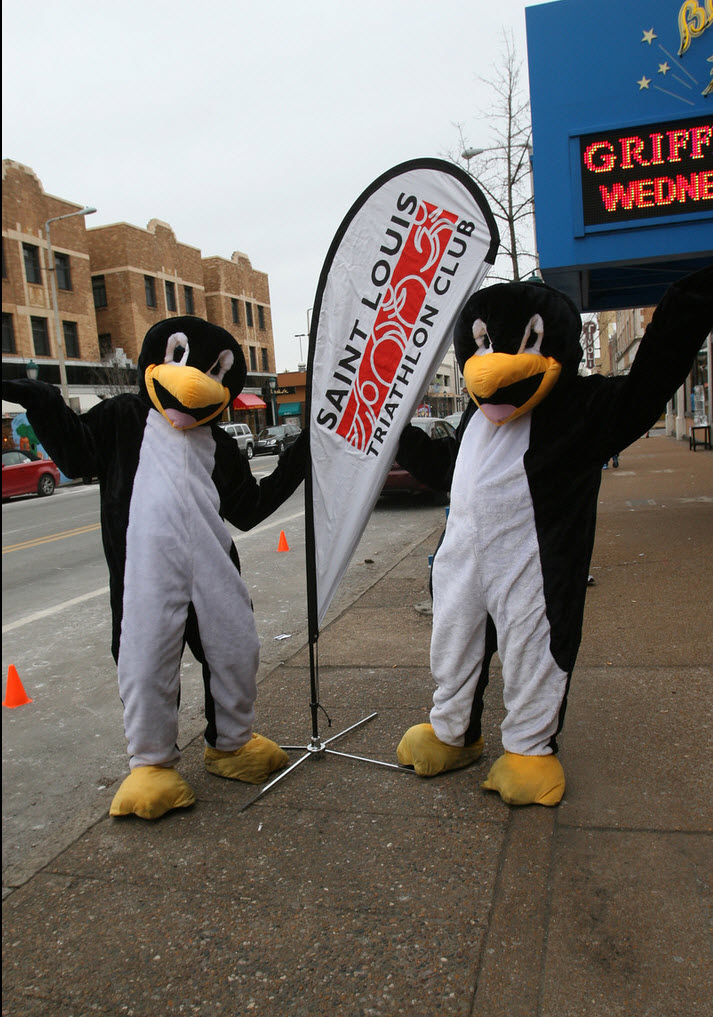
316	748
310	542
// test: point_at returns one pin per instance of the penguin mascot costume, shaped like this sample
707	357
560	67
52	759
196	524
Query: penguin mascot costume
524	471
169	477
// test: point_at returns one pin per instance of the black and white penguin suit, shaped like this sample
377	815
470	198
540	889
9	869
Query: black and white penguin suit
524	473
169	477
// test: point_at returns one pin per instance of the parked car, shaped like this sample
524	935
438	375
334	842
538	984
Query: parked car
399	480
454	419
243	435
274	440
22	474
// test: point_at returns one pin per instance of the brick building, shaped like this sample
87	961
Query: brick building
237	296
113	283
291	398
139	277
28	322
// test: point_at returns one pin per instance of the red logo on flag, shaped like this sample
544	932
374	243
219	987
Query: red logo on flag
413	273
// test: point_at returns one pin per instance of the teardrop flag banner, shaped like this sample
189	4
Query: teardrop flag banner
411	250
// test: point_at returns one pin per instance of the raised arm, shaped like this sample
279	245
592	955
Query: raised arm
65	435
678	328
430	460
244	501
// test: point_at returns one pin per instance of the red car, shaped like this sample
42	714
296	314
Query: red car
23	475
398	479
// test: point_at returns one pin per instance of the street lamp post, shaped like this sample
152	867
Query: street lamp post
57	325
301	336
272	382
471	153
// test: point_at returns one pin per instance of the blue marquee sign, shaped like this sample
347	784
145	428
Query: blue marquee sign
622	118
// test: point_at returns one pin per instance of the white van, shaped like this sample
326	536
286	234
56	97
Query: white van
244	437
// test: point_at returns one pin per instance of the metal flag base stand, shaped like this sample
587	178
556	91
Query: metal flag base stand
318	749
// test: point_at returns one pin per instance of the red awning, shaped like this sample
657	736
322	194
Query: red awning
246	401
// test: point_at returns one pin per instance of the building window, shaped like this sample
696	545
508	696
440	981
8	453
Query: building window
170	296
253	358
265	366
261	316
8	334
249	314
62	273
99	291
40	337
235	305
106	346
71	339
188	299
31	254
150	289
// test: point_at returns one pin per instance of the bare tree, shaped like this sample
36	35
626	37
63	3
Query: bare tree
503	169
117	374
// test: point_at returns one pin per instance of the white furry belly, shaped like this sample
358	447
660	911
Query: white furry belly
174	514
491	505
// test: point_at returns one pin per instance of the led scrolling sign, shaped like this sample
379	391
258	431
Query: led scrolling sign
660	170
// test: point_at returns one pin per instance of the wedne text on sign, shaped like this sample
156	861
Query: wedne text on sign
653	171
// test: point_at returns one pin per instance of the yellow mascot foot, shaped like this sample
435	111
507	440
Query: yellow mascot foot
150	791
253	763
421	749
527	780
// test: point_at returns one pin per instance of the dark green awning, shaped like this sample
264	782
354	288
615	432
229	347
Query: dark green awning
289	409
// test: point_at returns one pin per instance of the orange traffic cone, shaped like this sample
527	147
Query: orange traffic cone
15	694
283	546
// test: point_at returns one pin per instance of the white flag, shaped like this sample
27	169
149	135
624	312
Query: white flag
412	249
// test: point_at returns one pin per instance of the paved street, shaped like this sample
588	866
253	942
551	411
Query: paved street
350	889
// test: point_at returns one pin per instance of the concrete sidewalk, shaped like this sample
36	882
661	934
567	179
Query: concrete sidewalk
351	889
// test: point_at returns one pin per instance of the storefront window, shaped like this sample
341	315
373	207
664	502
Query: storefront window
700	387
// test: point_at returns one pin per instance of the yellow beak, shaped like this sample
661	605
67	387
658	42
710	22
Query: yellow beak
190	387
490	374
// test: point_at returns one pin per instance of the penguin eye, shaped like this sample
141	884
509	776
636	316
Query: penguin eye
483	342
176	349
532	343
222	365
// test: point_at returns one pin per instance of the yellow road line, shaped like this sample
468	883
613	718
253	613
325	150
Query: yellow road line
47	540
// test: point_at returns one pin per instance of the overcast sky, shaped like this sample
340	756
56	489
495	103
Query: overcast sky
244	126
